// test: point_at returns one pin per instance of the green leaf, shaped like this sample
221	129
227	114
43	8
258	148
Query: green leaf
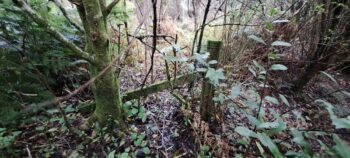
258	65
272	56
40	128
330	77
284	99
137	142
341	148
244	131
142	136
281	43
75	154
269	26
346	93
253	120
201	57
277	67
267	142
235	91
201	69
143	109
124	155
272	99
281	124
2	129
212	62
257	39
337	122
273	12
134	111
220	99
299	139
215	75
252	71
133	136
251	104
146	150
111	154
261	149
142	116
340	122
69	109
268	125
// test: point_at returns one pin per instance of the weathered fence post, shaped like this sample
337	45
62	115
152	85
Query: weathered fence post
207	108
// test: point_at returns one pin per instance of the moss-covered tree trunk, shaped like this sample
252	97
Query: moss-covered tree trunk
106	88
93	14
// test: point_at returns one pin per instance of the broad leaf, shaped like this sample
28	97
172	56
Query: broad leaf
235	90
272	99
336	121
284	99
267	142
299	139
111	154
281	43
244	131
277	67
212	62
268	125
146	150
257	39
215	75
341	148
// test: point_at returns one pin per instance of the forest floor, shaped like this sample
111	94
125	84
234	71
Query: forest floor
171	130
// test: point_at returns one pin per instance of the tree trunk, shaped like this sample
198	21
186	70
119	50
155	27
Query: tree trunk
106	88
327	50
93	14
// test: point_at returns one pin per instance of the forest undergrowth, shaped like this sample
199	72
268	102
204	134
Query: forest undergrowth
122	79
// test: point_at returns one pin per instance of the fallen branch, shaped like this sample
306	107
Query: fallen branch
231	24
159	86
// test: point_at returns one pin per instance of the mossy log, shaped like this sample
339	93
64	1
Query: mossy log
159	86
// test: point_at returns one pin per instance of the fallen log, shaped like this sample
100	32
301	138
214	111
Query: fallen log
159	86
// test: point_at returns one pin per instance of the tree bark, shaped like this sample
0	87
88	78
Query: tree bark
106	88
335	19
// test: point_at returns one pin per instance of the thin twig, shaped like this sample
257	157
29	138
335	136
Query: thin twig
28	151
154	2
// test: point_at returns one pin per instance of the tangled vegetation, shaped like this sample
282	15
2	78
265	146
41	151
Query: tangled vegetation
185	78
